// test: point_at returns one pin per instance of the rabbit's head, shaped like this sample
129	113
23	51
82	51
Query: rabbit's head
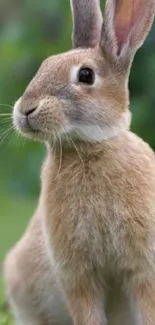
83	93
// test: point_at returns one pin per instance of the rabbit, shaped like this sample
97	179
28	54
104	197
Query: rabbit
89	252
33	294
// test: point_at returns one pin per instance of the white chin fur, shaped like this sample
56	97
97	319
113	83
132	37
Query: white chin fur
96	133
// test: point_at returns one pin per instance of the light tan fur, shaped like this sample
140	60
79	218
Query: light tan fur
89	251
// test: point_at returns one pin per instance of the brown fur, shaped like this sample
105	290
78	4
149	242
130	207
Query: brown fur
89	251
87	21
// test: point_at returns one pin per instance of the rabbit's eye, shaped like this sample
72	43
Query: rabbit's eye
86	75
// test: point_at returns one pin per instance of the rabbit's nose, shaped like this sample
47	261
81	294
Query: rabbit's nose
30	111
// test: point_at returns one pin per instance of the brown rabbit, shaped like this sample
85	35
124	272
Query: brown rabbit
91	243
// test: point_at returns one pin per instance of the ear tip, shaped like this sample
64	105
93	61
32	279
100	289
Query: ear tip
87	23
127	24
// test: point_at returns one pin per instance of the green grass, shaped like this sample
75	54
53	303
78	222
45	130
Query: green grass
14	216
5	316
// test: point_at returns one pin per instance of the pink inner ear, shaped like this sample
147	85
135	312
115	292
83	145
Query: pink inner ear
126	14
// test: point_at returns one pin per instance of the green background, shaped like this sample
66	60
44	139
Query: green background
30	31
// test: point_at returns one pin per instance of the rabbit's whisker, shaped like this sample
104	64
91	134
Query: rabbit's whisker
74	145
5	114
5	120
7	105
5	134
70	140
67	137
5	130
60	154
4	126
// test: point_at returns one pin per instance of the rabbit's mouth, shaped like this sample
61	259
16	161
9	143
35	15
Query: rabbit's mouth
27	128
38	120
27	125
24	123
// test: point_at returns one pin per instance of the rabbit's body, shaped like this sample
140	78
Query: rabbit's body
102	218
33	289
92	245
96	223
94	238
30	282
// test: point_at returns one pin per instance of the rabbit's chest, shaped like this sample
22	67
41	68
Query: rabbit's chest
97	222
85	232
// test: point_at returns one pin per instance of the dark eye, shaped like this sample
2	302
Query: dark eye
86	75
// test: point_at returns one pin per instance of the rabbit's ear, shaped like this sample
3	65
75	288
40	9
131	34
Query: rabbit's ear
126	25
87	23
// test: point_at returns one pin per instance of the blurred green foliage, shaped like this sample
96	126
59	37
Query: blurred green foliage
29	32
